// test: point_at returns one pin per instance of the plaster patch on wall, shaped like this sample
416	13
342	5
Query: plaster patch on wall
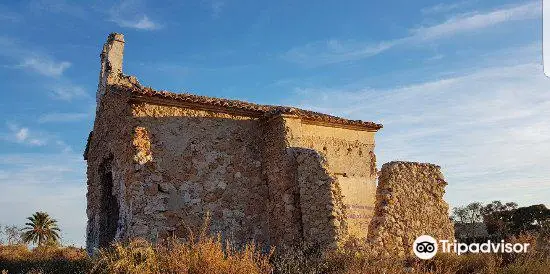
142	143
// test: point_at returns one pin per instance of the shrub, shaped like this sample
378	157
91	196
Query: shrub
19	259
207	255
299	259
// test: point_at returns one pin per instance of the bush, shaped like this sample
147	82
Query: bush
19	259
303	258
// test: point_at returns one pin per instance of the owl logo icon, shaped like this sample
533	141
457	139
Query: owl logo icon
425	247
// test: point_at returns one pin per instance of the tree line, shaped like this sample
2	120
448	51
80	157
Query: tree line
498	220
473	222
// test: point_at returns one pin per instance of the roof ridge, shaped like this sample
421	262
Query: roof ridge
265	110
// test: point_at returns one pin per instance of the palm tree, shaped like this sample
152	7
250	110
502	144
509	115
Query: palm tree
41	229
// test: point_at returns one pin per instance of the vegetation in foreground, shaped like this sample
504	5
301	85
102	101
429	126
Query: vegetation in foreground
206	254
211	255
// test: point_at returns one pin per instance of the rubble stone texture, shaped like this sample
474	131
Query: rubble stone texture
409	203
160	163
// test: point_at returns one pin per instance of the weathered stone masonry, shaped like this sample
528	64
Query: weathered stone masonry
409	203
159	162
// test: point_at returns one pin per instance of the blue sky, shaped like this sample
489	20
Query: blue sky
457	83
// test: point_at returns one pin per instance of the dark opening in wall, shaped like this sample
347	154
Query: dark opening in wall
109	208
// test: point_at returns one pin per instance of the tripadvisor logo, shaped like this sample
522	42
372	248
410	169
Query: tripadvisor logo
425	247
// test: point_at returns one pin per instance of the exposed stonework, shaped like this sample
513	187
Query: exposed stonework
160	162
409	203
324	214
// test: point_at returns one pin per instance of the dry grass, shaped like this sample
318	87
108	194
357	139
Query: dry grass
19	259
206	254
200	253
354	258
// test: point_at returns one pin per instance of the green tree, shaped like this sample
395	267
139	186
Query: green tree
468	214
41	229
466	219
498	218
529	218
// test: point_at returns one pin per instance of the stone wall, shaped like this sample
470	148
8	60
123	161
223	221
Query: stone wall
201	162
409	203
109	151
285	219
348	158
323	211
109	155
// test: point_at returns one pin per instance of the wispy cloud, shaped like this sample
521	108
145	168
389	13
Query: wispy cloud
64	117
487	128
444	7
129	14
143	23
68	92
45	65
31	59
23	135
474	21
335	51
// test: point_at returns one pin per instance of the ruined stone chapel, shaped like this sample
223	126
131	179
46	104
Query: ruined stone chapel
162	162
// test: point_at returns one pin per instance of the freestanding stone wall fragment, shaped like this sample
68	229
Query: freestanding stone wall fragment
409	203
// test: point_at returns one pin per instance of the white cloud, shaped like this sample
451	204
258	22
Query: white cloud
65	148
143	23
63	117
335	51
34	60
444	7
23	135
33	138
474	21
128	14
31	58
488	129
45	66
68	92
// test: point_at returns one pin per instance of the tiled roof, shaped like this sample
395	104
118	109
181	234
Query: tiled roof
263	110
